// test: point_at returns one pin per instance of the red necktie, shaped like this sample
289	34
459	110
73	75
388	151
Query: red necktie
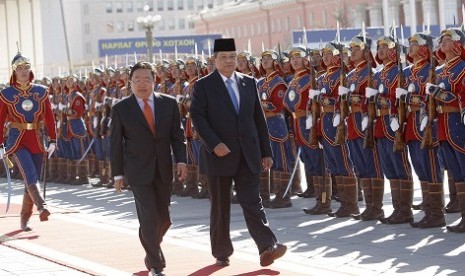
149	115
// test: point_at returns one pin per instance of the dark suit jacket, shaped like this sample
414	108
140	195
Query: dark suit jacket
135	152
216	121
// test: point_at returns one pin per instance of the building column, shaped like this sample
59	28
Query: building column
358	15
376	15
429	7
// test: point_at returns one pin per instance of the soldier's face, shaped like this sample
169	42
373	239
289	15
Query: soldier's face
191	69
446	44
327	58
413	49
226	62
382	52
241	63
23	72
297	62
142	83
267	62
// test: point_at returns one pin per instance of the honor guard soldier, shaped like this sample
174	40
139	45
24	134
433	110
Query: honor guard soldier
365	159
422	145
336	154
76	131
271	89
394	164
245	65
163	76
296	101
26	106
176	70
449	94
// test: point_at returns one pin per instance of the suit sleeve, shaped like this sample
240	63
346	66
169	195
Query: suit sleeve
262	127
178	141
116	143
198	112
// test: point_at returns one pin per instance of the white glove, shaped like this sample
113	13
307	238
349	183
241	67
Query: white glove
342	91
336	119
2	152
423	122
463	118
309	122
400	92
179	98
95	122
394	124
313	93
51	149
61	106
54	106
364	122
370	92
428	87
97	105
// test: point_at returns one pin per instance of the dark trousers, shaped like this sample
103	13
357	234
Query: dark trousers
247	192
152	205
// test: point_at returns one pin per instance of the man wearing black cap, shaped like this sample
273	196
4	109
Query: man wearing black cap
227	114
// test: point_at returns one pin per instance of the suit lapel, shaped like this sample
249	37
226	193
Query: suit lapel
158	106
242	85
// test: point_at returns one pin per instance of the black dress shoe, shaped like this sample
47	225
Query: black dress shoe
222	261
157	272
268	256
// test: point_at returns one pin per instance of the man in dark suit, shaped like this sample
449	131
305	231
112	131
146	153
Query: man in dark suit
145	131
227	114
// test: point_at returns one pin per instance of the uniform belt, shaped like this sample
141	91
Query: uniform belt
413	108
383	111
24	126
355	108
299	113
447	109
72	117
327	108
272	114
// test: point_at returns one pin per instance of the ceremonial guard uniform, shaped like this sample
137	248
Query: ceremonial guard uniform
336	155
76	132
365	159
245	65
395	165
26	107
271	89
424	157
296	101
449	93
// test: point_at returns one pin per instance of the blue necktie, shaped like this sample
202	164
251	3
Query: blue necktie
232	95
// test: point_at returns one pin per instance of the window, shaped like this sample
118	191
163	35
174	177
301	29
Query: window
160	5
272	26
191	24
244	31
139	6
310	19
180	5
238	31
171	24
210	4
278	24
120	26
259	30
119	7
252	30
88	48
110	27
190	4
287	22
85	8
131	26
170	5
109	7
325	19
298	22
129	7
161	25
150	5
182	23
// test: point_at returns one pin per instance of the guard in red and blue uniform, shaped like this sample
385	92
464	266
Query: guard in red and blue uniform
296	101
424	159
76	131
271	89
449	93
26	106
336	155
395	165
366	164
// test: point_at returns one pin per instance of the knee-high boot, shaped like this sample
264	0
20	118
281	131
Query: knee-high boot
366	185
323	191
34	193
435	206
82	172
341	195
404	215
281	200
395	196
460	227
335	192
265	189
51	169
71	176
453	206
349	198
310	191
425	204
297	180
192	182
26	211
376	212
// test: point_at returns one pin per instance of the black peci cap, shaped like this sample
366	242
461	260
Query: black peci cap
224	45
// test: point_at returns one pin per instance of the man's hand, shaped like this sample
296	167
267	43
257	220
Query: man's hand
336	119
118	185
221	150
394	123
364	122
51	149
181	171
267	163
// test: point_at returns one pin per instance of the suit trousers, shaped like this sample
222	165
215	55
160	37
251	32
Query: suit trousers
247	192
152	200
